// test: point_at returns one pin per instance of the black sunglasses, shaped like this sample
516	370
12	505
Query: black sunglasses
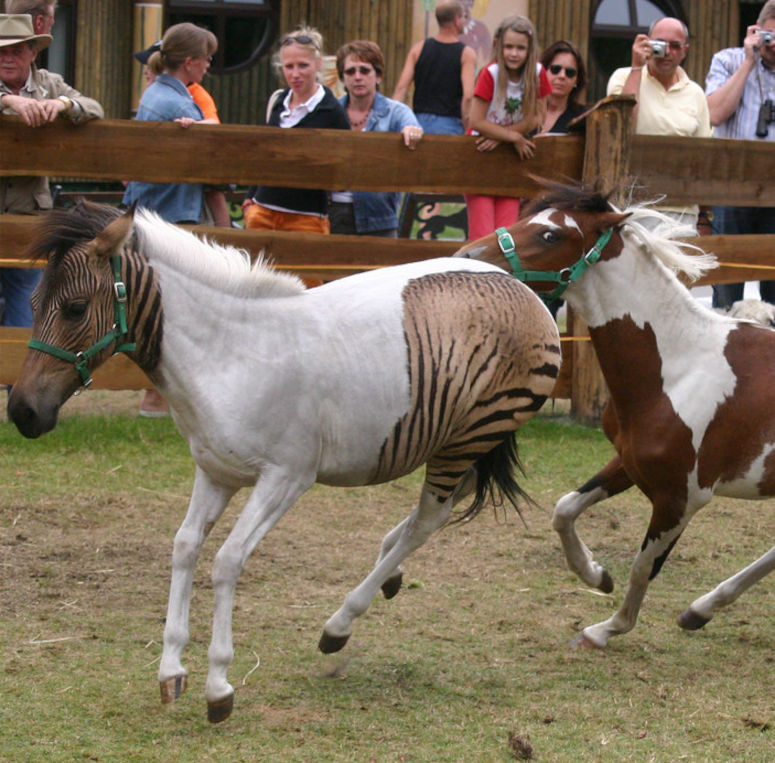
360	69
569	70
299	39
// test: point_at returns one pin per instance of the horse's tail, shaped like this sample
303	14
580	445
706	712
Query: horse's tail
495	479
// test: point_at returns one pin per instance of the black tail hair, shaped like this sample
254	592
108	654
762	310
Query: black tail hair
495	480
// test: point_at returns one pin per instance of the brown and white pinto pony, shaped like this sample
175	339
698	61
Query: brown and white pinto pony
692	406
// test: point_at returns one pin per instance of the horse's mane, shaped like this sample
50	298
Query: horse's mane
645	226
224	267
62	229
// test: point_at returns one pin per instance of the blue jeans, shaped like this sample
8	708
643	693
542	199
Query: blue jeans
17	285
434	124
736	221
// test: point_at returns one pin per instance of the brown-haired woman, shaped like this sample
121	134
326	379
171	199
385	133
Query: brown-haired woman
184	57
360	65
567	75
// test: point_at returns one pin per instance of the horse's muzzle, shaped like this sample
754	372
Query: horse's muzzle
32	421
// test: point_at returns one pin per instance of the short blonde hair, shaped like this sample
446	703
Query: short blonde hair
307	37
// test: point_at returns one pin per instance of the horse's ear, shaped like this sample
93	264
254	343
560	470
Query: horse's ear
611	220
109	240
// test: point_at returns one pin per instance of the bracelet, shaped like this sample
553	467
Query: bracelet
67	101
635	68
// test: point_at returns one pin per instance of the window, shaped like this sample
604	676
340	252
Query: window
58	57
614	27
245	29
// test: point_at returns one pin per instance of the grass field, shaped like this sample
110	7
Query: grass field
470	662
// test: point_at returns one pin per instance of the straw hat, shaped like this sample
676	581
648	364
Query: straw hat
17	27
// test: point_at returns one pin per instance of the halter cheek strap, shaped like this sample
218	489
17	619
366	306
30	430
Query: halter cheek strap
564	277
117	334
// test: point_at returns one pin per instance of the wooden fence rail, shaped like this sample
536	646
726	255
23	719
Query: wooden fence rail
682	170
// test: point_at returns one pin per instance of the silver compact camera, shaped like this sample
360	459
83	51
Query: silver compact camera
765	36
658	48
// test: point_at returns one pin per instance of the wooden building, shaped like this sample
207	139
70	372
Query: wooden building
94	39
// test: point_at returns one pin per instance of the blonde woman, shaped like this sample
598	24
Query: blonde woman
305	103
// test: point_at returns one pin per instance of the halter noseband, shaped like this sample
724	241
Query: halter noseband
117	334
564	277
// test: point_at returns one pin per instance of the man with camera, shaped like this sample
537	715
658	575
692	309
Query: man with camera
668	102
741	95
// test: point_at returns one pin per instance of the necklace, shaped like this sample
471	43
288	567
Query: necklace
359	124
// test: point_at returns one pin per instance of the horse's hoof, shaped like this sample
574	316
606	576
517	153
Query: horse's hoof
172	688
221	709
691	621
584	642
330	644
392	586
606	584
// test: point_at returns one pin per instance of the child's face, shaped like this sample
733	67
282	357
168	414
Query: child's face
516	46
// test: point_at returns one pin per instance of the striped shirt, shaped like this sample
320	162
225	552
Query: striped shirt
759	86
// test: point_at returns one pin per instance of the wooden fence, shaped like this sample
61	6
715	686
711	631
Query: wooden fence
707	171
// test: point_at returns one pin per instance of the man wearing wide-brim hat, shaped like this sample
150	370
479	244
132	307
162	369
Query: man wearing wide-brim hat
38	97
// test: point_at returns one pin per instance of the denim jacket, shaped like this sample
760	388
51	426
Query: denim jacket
379	210
164	100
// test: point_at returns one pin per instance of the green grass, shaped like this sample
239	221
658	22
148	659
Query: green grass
474	649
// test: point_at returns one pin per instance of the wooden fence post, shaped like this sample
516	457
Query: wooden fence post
606	166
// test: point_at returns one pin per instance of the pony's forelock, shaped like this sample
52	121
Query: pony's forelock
568	197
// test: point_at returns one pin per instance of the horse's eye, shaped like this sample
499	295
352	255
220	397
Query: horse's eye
550	237
74	311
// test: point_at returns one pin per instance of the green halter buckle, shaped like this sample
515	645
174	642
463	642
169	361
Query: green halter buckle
117	334
564	277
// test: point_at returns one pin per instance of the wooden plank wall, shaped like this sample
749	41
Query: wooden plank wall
104	47
387	22
103	55
712	26
562	20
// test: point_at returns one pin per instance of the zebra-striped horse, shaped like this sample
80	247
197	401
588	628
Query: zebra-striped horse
276	387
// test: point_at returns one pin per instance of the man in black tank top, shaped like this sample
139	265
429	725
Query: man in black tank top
443	70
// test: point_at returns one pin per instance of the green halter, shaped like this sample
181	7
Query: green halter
564	277
117	334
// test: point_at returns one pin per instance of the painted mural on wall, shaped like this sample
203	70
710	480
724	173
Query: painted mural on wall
482	18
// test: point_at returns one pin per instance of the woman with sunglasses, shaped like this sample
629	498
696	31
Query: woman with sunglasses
305	103
567	75
360	65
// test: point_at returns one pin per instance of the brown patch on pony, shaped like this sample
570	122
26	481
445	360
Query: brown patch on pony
644	441
724	455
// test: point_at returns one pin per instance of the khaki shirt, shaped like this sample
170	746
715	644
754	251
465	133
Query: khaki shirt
27	195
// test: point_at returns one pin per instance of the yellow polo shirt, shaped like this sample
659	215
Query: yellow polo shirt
681	110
